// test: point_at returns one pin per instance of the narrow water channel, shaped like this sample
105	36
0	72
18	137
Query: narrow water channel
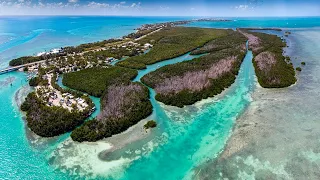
185	137
194	134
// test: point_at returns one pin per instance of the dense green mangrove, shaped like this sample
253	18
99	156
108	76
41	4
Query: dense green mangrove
48	121
271	66
94	81
171	42
123	105
188	82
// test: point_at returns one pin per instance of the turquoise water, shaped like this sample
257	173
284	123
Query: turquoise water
185	138
43	33
199	137
156	66
264	22
18	159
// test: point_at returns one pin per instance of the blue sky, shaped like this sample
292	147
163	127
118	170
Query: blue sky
222	8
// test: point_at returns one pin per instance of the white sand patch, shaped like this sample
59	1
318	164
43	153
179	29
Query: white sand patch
81	159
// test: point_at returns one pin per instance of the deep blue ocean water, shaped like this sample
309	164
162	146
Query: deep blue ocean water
199	135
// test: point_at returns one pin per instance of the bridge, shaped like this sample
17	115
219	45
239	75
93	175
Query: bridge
14	68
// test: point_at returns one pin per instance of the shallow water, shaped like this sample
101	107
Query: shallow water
20	157
196	133
191	135
186	138
19	160
153	67
278	136
43	33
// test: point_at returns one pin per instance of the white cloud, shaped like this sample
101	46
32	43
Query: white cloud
164	8
242	7
98	5
135	5
72	1
40	4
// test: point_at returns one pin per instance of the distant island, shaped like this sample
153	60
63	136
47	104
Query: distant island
106	69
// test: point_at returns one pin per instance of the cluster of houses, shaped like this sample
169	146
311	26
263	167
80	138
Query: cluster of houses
53	97
56	62
65	100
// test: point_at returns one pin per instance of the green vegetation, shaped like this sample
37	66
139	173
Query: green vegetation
303	63
34	81
138	34
188	82
272	29
24	60
116	53
231	40
298	69
88	46
75	49
123	105
50	121
150	124
171	42
288	59
270	65
94	81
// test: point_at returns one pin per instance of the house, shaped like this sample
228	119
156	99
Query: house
147	45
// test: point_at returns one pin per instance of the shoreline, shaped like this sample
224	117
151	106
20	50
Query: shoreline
137	130
112	144
234	144
254	127
33	139
241	125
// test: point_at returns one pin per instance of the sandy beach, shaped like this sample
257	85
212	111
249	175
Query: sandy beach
98	158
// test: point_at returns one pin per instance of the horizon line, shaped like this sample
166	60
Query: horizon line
99	15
